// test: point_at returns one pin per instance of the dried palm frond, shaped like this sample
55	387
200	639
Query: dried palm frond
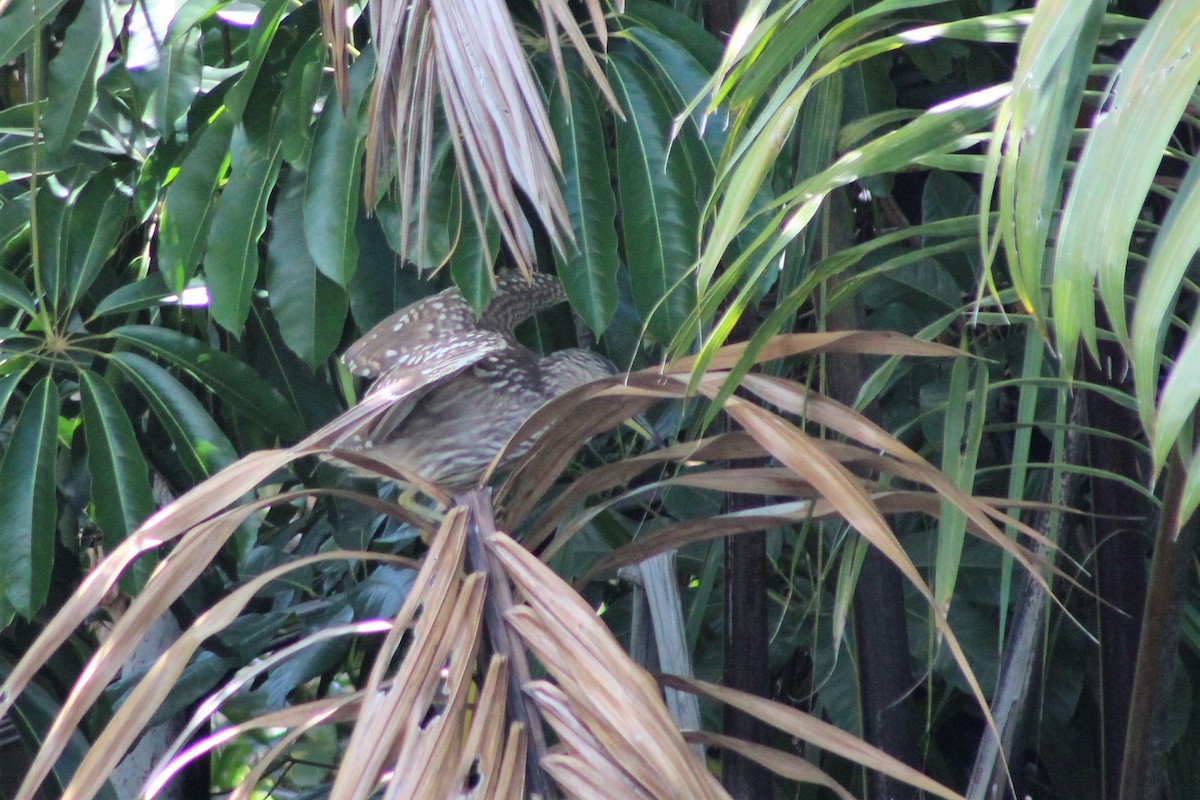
440	713
461	61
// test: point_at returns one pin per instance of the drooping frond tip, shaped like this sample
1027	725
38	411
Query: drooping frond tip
461	63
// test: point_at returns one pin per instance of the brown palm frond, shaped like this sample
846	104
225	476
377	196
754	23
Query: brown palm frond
462	60
435	716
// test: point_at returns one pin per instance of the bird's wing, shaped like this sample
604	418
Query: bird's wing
403	338
443	361
393	396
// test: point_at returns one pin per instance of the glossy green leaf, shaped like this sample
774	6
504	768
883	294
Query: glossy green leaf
300	89
589	272
190	14
257	45
310	308
16	118
684	77
98	217
334	175
179	76
27	495
474	256
53	214
120	479
688	34
17	24
14	216
14	293
16	156
71	83
131	297
234	382
657	194
198	442
8	386
190	203
382	283
231	258
432	238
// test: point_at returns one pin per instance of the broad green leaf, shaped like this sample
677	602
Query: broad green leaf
17	153
131	297
257	45
13	292
190	14
14	216
334	174
432	238
27	495
8	385
473	256
71	83
53	213
381	284
120	479
300	89
684	78
98	216
690	36
179	76
310	308
17	24
231	259
197	441
589	272
189	205
17	118
657	194
234	382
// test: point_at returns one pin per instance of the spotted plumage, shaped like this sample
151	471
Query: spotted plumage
450	389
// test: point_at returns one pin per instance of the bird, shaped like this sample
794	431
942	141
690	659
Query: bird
450	389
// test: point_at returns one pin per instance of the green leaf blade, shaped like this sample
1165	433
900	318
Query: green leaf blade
27	495
199	443
231	263
310	308
657	196
71	83
334	176
589	272
234	382
190	203
120	478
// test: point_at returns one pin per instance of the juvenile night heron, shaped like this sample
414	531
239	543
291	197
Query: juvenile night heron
450	390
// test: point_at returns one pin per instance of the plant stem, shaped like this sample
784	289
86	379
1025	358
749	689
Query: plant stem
1170	571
